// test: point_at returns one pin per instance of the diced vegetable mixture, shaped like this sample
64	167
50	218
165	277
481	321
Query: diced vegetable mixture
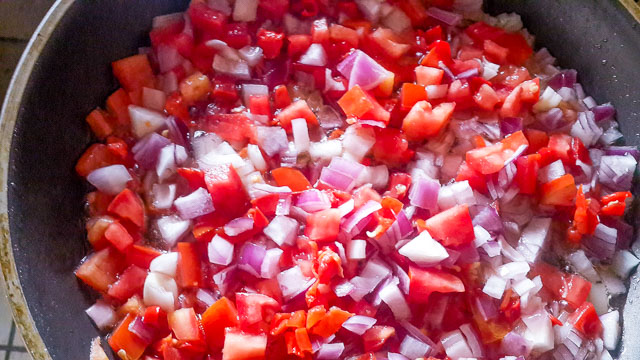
354	179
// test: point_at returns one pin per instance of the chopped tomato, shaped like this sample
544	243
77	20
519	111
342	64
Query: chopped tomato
411	94
206	19
118	107
241	346
194	177
292	178
281	97
491	159
424	282
359	104
298	44
189	268
141	255
476	179
100	123
375	338
95	157
323	225
537	140
100	269
451	227
297	110
252	307
572	288
428	75
330	323
586	320
226	189
527	173
177	107
440	52
343	33
134	72
219	316
390	43
585	218
259	105
122	339
185	325
195	87
559	192
284	321
391	147
118	236
614	204
127	205
328	265
423	121
271	43
486	97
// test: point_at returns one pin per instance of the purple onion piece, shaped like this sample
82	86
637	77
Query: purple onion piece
510	125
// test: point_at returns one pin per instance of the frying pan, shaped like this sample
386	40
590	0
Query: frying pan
65	72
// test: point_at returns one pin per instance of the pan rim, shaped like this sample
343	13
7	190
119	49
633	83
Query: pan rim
8	117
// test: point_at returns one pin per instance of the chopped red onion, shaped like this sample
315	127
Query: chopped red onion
238	226
343	288
144	332
549	99
510	125
196	204
455	345
337	180
330	351
172	229
400	229
245	10
602	244
617	171
586	129
447	17
168	57
583	265
604	112
220	251
424	250
413	348
146	151
473	72
111	180
251	257
472	340
495	286
362	70
424	193
271	263
539	333
552	119
359	324
347	207
165	264
396	356
282	230
313	200
565	78
514	344
292	282
251	54
206	297
160	290
357	249
314	56
223	278
102	314
373	273
623	150
170	157
284	204
551	172
163	195
488	218
355	223
393	297
272	139
178	132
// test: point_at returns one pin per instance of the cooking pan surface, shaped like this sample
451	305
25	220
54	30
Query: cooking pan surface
70	75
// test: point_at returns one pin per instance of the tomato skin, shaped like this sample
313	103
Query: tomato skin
440	51
195	177
452	227
299	109
399	184
281	97
476	179
330	323
189	269
222	314
527	173
560	192
128	205
118	236
424	282
100	269
391	147
226	189
95	157
328	265
375	338
586	320
156	317
572	288
123	339
491	159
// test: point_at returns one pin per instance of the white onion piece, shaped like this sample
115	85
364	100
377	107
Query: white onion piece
539	331
153	99
482	236
171	156
605	355
495	286
370	9
533	238
196	204
437	91
282	230
548	99
397	21
583	265
599	297
168	58
413	348
236	68
551	172
223	49
145	121
292	282
611	329
359	324
172	229
300	135
102	314
245	10
373	273
111	180
393	297
220	5
424	250
249	90
251	54
165	264
514	270
357	249
523	287
614	285
204	144
358	141
330	84
456	193
455	345
330	351
220	251
163	195
271	263
314	56
272	139
586	129
624	262
472	340
160	290
255	155
326	149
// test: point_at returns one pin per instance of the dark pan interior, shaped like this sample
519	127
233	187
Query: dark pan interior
72	75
